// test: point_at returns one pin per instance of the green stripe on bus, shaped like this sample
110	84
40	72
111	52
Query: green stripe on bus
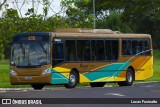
110	70
58	78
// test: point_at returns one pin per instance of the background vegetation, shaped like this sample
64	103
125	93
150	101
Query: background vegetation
127	16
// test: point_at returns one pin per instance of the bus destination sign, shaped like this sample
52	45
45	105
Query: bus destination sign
31	37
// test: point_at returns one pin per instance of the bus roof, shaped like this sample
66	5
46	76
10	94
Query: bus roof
95	33
85	33
34	33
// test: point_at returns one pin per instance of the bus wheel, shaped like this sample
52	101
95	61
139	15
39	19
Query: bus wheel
129	78
37	86
97	84
73	80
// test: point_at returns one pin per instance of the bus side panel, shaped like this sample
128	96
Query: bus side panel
122	76
60	75
145	69
108	73
143	66
83	79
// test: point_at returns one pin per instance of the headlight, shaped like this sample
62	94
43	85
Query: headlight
13	73
47	71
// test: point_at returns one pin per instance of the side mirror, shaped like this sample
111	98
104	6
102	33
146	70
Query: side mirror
12	63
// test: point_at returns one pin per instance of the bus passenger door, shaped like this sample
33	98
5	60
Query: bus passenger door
59	74
58	56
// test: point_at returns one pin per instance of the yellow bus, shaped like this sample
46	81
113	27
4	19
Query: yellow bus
72	56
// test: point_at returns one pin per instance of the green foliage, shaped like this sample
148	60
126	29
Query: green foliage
11	24
128	16
137	16
78	17
4	1
7	29
114	21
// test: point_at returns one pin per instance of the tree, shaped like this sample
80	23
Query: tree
12	24
4	1
114	22
7	30
78	17
140	16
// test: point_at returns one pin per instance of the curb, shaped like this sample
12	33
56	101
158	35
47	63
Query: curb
21	89
147	82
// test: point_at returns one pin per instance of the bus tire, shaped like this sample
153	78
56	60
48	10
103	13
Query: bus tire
129	78
97	84
37	86
73	80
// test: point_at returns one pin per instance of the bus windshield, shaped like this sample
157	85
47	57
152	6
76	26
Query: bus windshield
28	54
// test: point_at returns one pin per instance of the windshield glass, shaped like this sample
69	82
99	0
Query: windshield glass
31	53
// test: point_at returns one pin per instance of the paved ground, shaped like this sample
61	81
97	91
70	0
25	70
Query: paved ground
138	90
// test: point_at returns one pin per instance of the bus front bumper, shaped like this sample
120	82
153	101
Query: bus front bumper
20	80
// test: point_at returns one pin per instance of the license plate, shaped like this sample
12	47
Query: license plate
28	78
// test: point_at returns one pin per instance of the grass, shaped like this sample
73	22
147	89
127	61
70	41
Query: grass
4	77
156	66
5	81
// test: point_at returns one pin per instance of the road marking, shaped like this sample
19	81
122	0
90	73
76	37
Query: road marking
24	90
15	89
146	82
2	91
115	94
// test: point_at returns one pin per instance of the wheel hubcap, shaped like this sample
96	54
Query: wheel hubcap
72	79
129	77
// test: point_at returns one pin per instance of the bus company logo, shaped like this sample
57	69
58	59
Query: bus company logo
83	66
6	101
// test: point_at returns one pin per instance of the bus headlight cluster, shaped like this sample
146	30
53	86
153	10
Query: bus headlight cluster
47	71
13	73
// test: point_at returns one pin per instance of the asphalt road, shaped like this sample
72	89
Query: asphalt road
138	90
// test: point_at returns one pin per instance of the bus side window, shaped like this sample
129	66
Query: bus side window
127	47
136	47
98	53
147	47
83	50
124	48
111	47
143	47
93	47
100	50
70	50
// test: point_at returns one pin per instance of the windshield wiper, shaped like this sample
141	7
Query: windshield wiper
23	51
42	47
